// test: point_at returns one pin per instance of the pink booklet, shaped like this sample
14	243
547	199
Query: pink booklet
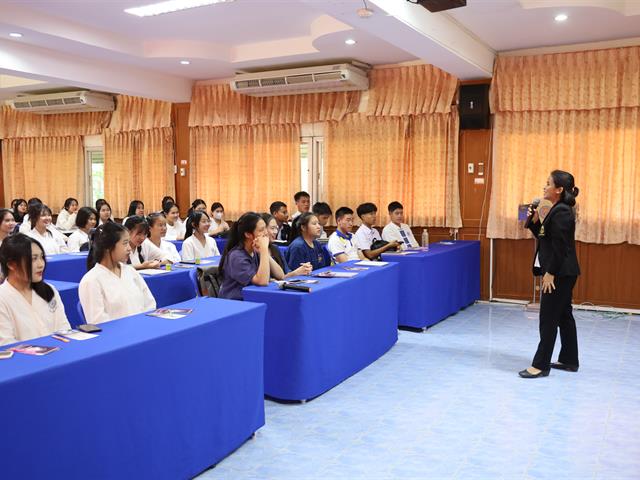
33	349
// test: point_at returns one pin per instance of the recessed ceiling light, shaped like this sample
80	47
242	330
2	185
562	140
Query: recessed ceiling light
350	41
185	62
561	17
15	35
170	6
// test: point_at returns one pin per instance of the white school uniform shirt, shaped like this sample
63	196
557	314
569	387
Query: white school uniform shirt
192	248
216	224
25	226
365	236
148	251
105	296
340	243
21	320
76	240
175	231
53	242
170	251
66	220
166	251
323	234
402	234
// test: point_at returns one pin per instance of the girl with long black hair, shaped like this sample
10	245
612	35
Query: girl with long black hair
197	243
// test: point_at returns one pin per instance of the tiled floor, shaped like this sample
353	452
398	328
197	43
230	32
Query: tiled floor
448	403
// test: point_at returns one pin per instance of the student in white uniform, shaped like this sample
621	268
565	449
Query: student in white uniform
104	211
397	230
67	217
157	230
166	199
219	227
342	245
25	226
303	204
197	244
19	207
29	307
112	289
53	242
367	234
136	209
198	205
86	220
175	226
7	223
143	255
323	212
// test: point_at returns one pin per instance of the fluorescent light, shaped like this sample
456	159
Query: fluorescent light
15	35
170	6
184	62
350	41
561	17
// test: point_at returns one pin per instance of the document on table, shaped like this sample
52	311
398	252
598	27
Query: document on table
332	274
76	334
152	271
370	263
399	253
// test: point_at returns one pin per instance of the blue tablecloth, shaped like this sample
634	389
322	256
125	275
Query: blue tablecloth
314	341
171	287
148	398
177	243
66	267
69	295
437	283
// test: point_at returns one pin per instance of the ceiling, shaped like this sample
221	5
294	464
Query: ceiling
92	44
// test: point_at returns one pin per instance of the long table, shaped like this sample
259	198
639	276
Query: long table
69	296
148	398
314	341
437	283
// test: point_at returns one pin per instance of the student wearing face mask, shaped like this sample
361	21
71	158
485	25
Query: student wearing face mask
52	241
219	228
29	307
111	289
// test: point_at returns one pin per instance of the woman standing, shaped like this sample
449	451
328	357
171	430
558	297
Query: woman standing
557	262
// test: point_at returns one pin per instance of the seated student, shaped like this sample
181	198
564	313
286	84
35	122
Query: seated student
7	223
166	199
67	217
303	204
86	220
197	244
367	234
246	260
136	209
104	211
219	227
175	226
398	231
25	226
198	205
323	212
111	289
52	241
305	248
157	230
279	212
281	270
29	307
19	207
143	255
342	245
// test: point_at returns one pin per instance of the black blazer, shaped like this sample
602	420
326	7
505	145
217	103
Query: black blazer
285	232
556	242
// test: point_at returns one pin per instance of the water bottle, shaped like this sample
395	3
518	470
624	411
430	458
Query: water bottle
425	239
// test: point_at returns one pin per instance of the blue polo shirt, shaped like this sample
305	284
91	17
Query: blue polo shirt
300	252
239	269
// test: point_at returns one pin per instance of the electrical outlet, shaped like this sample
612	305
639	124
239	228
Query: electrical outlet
470	168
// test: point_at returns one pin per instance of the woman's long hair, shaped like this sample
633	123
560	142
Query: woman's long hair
301	221
17	248
133	206
192	222
246	224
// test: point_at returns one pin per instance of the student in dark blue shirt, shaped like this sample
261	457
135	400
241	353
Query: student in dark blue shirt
305	247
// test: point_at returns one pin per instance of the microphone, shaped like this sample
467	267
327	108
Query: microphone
292	286
534	205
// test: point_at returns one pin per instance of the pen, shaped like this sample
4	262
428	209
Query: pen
62	339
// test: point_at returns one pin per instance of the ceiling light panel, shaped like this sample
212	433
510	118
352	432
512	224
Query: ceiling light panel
170	6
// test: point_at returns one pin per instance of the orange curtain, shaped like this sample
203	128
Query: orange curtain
409	159
51	168
217	105
138	153
14	124
577	112
414	90
245	167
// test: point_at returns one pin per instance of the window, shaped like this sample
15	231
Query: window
311	161
95	167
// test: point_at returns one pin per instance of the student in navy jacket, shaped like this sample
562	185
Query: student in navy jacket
557	263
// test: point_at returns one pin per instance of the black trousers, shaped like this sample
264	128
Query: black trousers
556	312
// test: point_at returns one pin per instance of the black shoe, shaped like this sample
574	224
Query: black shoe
564	366
525	374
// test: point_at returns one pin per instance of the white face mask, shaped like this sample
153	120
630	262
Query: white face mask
218	215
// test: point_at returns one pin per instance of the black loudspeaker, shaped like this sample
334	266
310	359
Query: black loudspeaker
474	107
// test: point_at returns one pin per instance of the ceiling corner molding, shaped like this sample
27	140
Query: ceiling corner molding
627	8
